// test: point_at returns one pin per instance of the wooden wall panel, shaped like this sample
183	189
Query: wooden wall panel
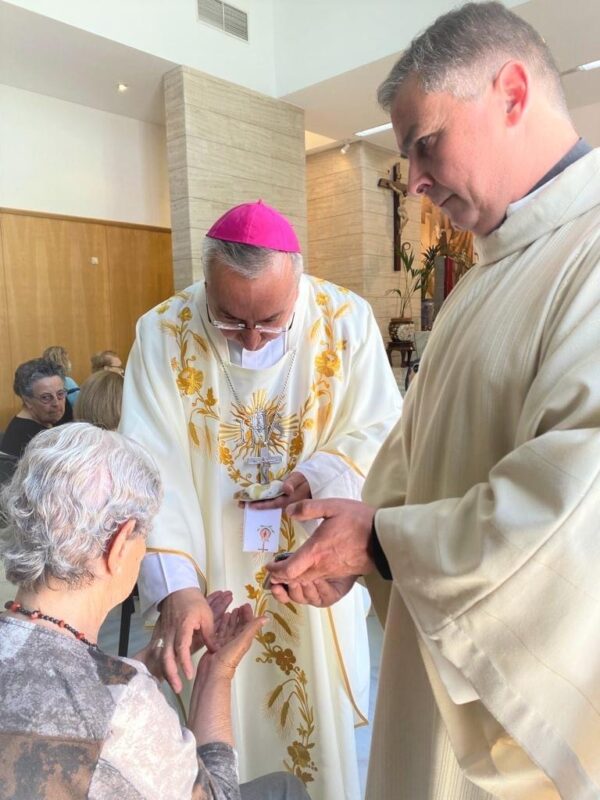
8	402
51	292
56	295
140	276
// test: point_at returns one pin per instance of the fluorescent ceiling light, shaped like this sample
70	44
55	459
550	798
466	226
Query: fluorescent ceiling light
377	129
122	87
589	65
582	68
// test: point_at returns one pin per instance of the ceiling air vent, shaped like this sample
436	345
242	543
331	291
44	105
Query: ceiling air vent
223	16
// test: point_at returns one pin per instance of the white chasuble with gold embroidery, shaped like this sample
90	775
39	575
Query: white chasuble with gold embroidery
304	684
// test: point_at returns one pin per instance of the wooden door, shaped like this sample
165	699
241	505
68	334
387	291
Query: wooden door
57	288
81	284
140	277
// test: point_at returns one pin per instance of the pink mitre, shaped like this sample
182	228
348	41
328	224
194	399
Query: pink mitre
256	224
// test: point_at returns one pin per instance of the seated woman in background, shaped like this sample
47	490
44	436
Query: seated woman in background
58	355
87	724
40	385
107	359
100	400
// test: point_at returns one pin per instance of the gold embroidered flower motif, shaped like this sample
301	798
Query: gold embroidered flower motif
296	444
328	364
285	660
190	380
260	576
322	299
185	314
299	754
225	456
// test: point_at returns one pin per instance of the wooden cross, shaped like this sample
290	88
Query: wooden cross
399	191
264	460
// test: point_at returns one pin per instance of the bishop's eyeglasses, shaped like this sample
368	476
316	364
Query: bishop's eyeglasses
269	330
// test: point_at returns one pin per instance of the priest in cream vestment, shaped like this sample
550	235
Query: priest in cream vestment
317	398
483	505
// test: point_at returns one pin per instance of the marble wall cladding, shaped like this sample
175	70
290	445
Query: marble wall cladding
335	212
228	145
350	224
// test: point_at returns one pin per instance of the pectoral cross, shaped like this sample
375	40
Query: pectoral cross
264	460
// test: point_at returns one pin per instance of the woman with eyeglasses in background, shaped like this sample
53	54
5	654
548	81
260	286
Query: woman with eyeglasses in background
40	384
59	355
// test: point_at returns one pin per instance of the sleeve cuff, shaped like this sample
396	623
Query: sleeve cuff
377	555
161	574
221	761
322	470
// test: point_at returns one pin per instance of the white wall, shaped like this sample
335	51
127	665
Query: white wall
171	29
317	39
63	158
587	123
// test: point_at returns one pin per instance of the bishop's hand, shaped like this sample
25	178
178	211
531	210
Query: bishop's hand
186	623
295	488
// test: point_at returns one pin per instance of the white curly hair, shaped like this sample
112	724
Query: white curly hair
74	487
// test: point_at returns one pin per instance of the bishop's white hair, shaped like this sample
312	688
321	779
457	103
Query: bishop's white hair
245	259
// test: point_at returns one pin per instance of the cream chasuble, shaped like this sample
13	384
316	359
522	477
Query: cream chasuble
489	498
304	685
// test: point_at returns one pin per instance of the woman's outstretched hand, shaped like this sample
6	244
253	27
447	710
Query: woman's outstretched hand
210	707
234	632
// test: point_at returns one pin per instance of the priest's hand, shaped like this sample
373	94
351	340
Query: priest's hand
295	488
319	593
338	549
186	624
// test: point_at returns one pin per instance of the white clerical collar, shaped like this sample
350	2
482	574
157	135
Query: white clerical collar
268	355
580	149
524	200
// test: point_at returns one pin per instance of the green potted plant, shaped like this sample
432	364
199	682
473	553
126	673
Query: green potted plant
427	270
402	327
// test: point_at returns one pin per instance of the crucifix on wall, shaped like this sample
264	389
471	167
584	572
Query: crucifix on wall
399	191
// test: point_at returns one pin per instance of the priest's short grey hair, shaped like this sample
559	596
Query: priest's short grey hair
245	259
74	487
464	49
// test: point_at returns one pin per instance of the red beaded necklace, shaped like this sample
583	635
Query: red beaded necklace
17	608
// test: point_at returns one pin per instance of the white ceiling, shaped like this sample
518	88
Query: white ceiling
49	57
340	106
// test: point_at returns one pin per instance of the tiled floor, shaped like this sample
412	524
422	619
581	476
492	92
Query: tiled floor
109	638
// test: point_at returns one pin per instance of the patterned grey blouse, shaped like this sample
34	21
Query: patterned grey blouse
76	723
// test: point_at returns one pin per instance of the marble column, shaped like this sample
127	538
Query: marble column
350	224
227	145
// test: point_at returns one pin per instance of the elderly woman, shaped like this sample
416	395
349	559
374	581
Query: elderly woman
100	400
74	721
59	355
107	359
40	384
